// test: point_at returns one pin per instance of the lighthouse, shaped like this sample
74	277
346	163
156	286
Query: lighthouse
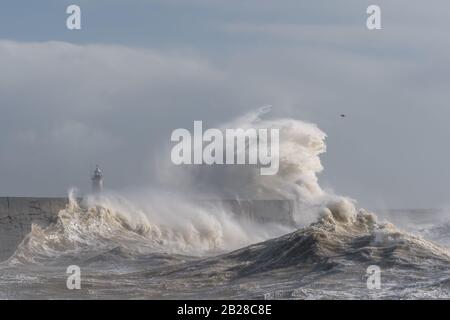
97	180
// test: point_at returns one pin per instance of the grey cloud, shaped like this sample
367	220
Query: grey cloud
65	107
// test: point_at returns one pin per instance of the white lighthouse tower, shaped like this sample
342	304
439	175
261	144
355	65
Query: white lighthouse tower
97	180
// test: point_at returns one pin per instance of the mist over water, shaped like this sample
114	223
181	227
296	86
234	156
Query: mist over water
184	242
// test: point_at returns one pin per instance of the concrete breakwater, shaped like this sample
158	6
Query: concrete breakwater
18	214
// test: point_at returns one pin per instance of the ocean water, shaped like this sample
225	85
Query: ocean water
163	246
325	260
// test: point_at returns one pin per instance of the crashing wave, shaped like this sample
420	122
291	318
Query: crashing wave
112	226
333	236
342	236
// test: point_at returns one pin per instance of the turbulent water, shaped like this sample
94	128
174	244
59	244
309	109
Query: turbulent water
163	246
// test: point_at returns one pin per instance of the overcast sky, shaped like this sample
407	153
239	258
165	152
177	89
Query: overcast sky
112	92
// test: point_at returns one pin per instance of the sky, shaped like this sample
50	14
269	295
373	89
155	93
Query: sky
112	92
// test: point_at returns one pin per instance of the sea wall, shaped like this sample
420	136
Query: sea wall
262	211
18	214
